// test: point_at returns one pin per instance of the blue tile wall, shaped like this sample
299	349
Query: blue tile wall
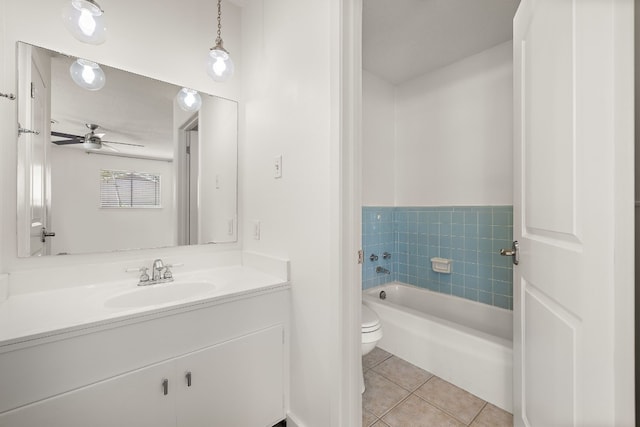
470	236
378	236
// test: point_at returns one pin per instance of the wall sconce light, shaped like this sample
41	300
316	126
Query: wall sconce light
88	75
219	63
85	21
189	100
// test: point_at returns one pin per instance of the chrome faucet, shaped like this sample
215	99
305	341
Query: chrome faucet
156	270
380	269
160	273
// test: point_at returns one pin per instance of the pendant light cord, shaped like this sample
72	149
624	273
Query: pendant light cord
219	39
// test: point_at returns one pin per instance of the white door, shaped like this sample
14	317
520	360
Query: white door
33	172
573	334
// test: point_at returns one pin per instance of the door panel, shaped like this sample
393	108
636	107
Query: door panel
239	383
551	343
565	87
547	71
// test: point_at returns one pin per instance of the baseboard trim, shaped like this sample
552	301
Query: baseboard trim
292	421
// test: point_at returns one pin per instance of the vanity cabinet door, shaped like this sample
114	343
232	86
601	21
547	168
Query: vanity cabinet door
135	399
238	383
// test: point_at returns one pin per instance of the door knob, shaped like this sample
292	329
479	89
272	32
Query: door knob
44	234
514	252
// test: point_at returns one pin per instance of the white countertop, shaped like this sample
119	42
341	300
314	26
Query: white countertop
36	315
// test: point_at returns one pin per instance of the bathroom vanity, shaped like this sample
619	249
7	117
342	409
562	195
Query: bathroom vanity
115	354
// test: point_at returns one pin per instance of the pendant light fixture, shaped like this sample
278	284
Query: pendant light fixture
85	21
219	63
189	100
88	75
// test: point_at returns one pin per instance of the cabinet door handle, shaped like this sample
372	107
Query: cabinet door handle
188	376
165	386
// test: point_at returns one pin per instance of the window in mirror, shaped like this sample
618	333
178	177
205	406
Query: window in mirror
126	189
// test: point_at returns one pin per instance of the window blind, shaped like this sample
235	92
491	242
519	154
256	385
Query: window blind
127	189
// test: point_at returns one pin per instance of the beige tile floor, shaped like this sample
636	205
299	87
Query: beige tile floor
399	394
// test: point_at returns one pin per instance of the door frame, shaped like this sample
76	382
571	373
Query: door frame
346	127
624	208
182	179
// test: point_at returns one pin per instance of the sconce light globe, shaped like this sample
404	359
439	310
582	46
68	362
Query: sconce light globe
85	21
88	75
219	64
189	100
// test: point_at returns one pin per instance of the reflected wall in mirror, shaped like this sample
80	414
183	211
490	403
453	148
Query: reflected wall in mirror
122	167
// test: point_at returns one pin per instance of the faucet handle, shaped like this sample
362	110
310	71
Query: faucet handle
144	276
174	265
167	274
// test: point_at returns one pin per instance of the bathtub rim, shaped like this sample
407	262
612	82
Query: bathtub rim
371	295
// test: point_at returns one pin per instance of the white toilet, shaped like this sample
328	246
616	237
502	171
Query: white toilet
371	334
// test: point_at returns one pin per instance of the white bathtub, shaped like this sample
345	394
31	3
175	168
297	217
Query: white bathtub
464	342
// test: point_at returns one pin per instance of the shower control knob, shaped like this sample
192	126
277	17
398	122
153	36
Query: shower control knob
373	257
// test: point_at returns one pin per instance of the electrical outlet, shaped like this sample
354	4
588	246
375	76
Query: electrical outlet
277	167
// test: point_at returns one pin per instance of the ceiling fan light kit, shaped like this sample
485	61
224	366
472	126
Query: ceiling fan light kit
85	21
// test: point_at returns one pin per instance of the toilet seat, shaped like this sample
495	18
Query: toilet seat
370	321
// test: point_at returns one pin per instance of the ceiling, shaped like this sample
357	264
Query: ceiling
130	109
403	39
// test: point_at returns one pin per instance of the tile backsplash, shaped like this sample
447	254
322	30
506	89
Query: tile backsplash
470	236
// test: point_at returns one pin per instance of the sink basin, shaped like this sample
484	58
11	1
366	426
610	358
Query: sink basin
160	294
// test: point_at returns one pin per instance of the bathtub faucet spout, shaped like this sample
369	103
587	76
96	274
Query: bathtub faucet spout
380	269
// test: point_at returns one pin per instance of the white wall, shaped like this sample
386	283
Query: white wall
378	141
80	224
170	45
291	54
454	134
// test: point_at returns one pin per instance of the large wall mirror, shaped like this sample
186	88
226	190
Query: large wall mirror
122	167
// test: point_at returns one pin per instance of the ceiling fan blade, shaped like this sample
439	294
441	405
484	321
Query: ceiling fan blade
124	143
109	147
68	141
65	135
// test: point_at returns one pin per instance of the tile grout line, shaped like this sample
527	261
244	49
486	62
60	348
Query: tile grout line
400	385
392	408
435	405
479	412
383	360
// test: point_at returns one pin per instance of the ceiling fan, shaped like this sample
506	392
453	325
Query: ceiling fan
91	140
